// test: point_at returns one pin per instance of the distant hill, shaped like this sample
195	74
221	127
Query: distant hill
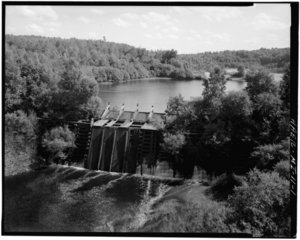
274	59
114	62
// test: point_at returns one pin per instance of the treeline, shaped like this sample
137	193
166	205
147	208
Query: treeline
274	60
114	62
100	60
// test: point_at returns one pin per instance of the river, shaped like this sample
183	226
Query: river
155	92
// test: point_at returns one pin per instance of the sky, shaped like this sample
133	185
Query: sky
186	29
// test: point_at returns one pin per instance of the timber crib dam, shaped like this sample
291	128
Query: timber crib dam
120	141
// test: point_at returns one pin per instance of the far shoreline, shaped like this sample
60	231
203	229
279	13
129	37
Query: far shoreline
148	79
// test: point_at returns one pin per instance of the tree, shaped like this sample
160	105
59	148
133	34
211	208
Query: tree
74	91
261	205
173	144
283	169
168	55
266	156
236	105
94	107
285	91
37	89
179	113
57	141
241	71
260	82
267	116
214	87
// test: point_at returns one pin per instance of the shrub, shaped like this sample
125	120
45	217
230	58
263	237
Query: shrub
21	125
266	156
261	205
57	141
20	141
283	169
224	185
209	218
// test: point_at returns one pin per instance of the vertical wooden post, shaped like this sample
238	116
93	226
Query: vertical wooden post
113	148
126	151
101	149
88	163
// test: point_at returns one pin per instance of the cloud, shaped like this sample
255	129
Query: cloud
53	31
175	29
214	14
38	12
252	40
84	19
263	21
148	35
97	11
34	28
52	24
172	36
155	17
120	22
95	35
143	24
181	10
10	29
222	36
131	16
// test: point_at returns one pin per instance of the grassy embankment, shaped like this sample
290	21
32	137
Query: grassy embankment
67	199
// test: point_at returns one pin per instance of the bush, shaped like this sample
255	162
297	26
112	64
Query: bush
224	185
20	141
21	125
208	219
261	205
57	141
266	156
283	169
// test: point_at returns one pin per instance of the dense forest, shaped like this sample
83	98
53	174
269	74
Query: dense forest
108	61
242	135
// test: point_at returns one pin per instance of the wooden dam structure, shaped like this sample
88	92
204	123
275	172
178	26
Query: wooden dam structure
122	140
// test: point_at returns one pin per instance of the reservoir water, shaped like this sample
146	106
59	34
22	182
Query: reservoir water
155	92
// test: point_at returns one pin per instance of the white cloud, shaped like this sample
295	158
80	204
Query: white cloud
189	38
175	29
53	31
39	12
95	35
181	10
263	21
143	24
97	11
34	28
252	40
222	36
132	16
148	35
84	19
52	24
172	36
120	22
10	29
155	17
214	14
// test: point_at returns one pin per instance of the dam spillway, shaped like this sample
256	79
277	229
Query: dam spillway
122	140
